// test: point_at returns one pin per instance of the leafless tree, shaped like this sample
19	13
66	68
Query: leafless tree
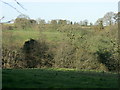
109	18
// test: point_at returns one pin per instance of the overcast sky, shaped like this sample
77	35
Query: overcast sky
74	10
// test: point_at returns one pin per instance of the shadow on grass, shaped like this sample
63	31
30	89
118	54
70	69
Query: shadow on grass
57	78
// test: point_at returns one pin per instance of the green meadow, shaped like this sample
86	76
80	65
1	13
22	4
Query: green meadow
57	78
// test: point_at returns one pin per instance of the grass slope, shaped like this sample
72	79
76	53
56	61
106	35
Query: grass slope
57	78
18	37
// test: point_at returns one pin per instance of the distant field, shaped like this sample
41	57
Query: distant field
20	36
57	78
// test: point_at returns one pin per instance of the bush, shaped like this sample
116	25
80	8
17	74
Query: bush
7	27
86	60
108	58
12	58
36	54
65	57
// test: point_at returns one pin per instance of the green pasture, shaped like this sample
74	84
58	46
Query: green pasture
57	78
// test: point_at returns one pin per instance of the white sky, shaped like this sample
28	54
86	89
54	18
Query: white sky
74	10
64	0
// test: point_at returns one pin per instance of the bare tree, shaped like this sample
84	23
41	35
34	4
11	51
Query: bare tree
116	17
40	21
23	16
109	18
98	21
85	22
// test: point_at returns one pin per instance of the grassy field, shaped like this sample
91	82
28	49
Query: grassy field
57	78
18	37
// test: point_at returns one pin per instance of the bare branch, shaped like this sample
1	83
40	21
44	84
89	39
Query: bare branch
20	4
2	18
11	6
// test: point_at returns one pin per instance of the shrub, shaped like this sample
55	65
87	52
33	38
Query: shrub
64	57
12	58
7	27
109	58
36	54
